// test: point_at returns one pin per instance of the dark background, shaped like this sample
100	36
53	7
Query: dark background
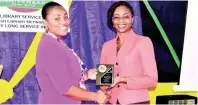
172	16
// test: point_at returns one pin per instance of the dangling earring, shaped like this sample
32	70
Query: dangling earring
46	29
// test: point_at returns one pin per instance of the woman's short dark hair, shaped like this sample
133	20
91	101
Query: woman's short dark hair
112	9
47	7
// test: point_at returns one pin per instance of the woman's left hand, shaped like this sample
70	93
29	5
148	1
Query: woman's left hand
89	74
92	74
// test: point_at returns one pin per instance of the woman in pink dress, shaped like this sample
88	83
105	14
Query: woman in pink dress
133	57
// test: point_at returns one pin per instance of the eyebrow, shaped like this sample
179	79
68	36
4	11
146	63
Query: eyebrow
59	14
123	14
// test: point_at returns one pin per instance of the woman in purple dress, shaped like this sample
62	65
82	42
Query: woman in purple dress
58	68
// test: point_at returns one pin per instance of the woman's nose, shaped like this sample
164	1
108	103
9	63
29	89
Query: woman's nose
66	22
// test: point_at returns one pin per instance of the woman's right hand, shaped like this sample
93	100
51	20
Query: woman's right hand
102	97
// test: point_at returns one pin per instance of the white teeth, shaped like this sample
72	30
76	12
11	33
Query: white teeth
63	28
121	26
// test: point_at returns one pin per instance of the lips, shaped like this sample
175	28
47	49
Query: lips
121	26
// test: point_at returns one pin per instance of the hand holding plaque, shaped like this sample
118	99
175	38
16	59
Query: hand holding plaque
104	74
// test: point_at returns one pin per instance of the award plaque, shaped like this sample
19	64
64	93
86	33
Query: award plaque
104	74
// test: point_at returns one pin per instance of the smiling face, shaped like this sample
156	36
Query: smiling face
57	21
122	19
